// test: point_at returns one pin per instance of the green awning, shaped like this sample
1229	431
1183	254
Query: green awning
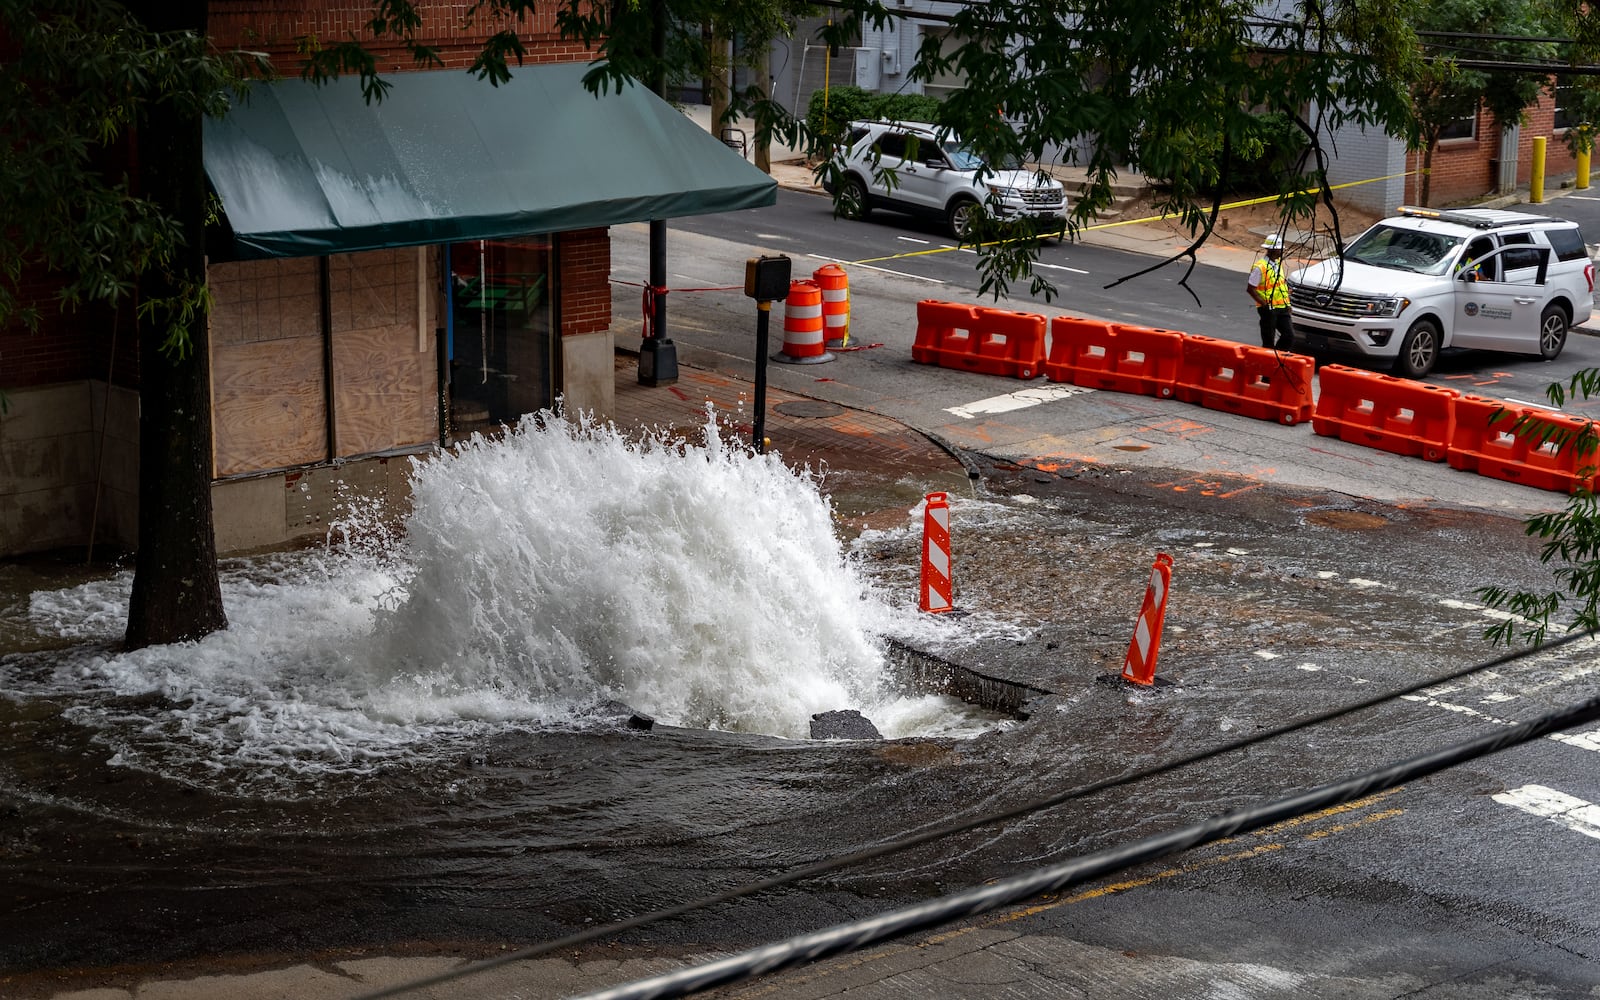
303	170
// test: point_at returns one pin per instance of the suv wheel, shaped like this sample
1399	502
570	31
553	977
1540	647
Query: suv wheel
853	202
1419	350
1552	332
963	216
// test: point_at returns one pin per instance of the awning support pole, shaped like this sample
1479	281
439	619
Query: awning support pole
658	355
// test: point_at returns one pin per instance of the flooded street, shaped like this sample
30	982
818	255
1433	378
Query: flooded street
423	741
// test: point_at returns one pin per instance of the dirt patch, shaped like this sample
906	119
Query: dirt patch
1243	219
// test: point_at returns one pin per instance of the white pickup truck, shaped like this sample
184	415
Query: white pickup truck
1426	280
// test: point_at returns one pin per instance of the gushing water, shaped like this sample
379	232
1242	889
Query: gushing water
541	577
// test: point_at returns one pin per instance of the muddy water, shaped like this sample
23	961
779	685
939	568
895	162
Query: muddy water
423	740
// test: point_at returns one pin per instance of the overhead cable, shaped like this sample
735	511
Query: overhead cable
937	833
842	938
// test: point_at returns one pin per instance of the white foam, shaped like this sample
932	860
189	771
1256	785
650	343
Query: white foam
539	576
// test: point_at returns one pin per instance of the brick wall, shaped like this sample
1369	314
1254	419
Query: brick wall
1466	169
274	26
585	281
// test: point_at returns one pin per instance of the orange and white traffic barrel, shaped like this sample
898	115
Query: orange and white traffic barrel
835	285
803	339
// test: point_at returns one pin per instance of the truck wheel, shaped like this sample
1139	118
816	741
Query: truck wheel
853	202
963	216
1419	350
1552	332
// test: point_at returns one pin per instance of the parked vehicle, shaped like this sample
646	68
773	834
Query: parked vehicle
1426	280
916	168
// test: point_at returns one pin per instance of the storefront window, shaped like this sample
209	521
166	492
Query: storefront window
501	335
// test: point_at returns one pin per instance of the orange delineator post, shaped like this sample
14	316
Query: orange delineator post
1522	444
936	591
1139	666
975	339
1381	411
1114	356
1250	381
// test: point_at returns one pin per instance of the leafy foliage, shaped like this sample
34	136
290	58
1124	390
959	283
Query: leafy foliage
1570	536
1172	89
83	74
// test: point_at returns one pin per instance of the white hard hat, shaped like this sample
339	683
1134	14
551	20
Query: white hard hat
1272	242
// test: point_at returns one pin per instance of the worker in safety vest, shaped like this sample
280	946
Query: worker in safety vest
1271	292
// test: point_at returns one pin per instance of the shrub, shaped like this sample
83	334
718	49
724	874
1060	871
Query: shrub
848	104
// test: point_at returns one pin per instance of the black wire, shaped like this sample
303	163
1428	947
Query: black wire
963	905
915	840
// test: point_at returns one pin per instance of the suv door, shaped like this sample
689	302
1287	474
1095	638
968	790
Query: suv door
923	181
891	155
1502	315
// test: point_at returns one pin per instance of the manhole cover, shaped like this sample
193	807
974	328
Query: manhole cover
809	408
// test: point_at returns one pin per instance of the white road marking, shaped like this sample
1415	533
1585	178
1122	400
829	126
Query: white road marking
1583	741
1019	400
869	267
912	239
1061	267
1571	812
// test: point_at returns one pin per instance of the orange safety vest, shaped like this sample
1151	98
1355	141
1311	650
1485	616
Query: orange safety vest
1272	284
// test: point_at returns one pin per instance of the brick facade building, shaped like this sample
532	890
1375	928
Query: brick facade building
329	369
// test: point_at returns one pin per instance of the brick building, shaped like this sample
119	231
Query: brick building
389	277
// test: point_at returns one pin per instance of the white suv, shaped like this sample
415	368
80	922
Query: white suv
1427	280
919	169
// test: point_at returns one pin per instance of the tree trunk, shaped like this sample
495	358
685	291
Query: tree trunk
719	80
176	595
763	148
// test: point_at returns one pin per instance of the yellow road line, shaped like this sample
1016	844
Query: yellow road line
1149	218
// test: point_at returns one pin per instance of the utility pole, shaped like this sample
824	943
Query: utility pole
658	355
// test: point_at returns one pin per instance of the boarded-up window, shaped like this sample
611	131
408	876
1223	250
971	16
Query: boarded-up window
270	378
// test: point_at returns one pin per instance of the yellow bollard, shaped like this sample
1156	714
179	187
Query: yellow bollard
1536	180
1583	171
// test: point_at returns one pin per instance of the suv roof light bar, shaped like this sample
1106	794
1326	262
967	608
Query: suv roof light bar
1459	218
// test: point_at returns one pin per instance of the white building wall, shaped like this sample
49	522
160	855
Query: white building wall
1359	157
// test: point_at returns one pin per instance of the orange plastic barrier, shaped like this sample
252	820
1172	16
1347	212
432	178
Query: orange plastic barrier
1384	412
943	327
1250	381
1140	664
936	589
1503	441
992	341
1113	356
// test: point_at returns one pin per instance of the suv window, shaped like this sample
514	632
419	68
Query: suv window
892	146
1520	256
1567	243
1403	249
